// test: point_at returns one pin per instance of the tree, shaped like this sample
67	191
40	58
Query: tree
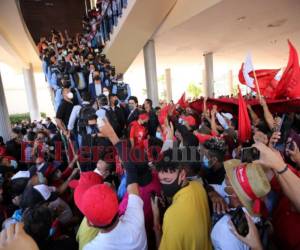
194	90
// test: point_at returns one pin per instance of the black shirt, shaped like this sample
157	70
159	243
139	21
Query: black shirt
215	177
153	123
64	111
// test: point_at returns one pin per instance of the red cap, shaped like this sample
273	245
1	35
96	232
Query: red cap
189	119
144	116
97	201
100	205
203	137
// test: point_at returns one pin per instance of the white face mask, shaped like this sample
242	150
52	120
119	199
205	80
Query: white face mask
106	93
158	135
70	95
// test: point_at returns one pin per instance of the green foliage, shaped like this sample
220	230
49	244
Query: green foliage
194	89
17	118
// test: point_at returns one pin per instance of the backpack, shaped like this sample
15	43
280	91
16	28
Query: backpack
122	92
113	120
84	114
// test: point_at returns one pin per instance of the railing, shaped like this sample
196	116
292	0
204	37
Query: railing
100	22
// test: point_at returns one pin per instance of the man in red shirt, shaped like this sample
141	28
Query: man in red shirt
139	131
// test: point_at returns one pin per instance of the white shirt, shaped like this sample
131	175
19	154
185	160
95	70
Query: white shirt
74	115
129	234
98	89
101	112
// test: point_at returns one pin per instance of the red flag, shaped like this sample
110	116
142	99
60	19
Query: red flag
164	114
182	102
244	132
265	78
289	84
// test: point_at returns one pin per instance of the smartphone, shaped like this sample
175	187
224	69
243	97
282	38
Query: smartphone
239	221
280	128
292	146
249	154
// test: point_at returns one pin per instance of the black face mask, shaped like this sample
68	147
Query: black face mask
94	129
96	78
116	102
171	189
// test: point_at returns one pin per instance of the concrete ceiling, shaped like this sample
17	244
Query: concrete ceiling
17	47
230	29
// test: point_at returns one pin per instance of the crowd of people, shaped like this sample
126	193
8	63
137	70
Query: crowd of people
113	173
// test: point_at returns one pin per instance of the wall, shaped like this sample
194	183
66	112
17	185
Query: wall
40	16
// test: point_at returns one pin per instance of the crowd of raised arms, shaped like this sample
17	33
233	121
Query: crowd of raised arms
109	172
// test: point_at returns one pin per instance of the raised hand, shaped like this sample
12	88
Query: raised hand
252	239
269	157
294	152
15	238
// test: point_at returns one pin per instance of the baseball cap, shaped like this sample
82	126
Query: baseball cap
97	201
227	115
190	120
24	174
34	195
20	180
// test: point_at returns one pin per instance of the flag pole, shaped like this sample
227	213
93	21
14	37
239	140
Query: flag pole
256	83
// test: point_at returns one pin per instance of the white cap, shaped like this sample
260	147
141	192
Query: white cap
45	191
222	121
21	174
227	115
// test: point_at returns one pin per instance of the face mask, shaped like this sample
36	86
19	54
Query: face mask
131	107
205	162
116	102
70	95
14	164
171	189
180	121
106	93
96	78
158	135
94	129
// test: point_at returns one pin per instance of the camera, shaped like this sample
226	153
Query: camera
249	154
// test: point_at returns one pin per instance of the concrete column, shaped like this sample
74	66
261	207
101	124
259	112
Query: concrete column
204	84
168	84
31	93
209	73
230	82
93	3
5	127
150	71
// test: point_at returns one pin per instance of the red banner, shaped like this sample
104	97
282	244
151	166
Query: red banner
231	105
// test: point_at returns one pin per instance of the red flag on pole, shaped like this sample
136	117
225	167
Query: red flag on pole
289	84
164	114
266	79
244	124
182	102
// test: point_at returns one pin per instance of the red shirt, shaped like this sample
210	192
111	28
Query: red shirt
138	133
286	220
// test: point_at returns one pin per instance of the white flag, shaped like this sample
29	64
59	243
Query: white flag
247	68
